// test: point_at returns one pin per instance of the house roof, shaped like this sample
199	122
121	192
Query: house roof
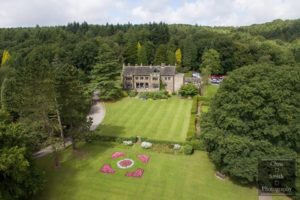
147	70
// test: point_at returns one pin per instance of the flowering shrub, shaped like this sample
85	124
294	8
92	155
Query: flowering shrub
137	173
127	142
176	146
146	145
125	163
143	158
117	155
106	169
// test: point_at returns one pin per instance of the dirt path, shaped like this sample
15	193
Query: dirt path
97	114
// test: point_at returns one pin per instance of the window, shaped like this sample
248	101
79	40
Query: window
146	85
169	78
136	78
155	85
146	77
155	78
128	86
137	85
141	78
128	78
166	78
141	85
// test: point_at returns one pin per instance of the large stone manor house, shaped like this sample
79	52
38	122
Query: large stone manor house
148	78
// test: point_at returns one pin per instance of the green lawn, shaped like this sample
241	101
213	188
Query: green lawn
166	176
211	90
204	109
155	119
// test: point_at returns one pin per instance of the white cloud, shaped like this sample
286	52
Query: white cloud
204	12
222	12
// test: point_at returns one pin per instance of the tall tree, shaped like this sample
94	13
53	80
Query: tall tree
105	73
251	119
19	177
159	33
189	54
211	59
84	55
205	75
36	109
72	101
160	55
170	57
5	57
130	53
178	58
141	54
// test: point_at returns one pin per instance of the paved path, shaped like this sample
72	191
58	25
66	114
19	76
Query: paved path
49	149
97	113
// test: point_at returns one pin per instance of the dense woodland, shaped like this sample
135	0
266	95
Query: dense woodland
48	74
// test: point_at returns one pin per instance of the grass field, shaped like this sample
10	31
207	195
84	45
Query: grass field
211	90
166	177
155	119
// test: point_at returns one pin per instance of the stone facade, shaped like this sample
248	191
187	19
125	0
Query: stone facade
148	78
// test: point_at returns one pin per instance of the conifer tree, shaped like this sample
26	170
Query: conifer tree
189	54
160	55
141	54
72	102
104	75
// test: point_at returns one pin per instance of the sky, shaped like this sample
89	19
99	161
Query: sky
23	13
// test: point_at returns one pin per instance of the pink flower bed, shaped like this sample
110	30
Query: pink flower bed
137	173
106	169
125	163
117	155
144	158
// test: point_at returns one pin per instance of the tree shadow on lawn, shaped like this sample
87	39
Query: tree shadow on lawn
110	130
84	150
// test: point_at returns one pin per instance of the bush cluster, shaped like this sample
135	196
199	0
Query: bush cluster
154	95
188	149
132	93
188	90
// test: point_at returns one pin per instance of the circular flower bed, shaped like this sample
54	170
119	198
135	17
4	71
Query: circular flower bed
125	163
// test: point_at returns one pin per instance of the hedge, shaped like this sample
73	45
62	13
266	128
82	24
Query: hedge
197	144
204	99
191	133
154	95
164	142
105	138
